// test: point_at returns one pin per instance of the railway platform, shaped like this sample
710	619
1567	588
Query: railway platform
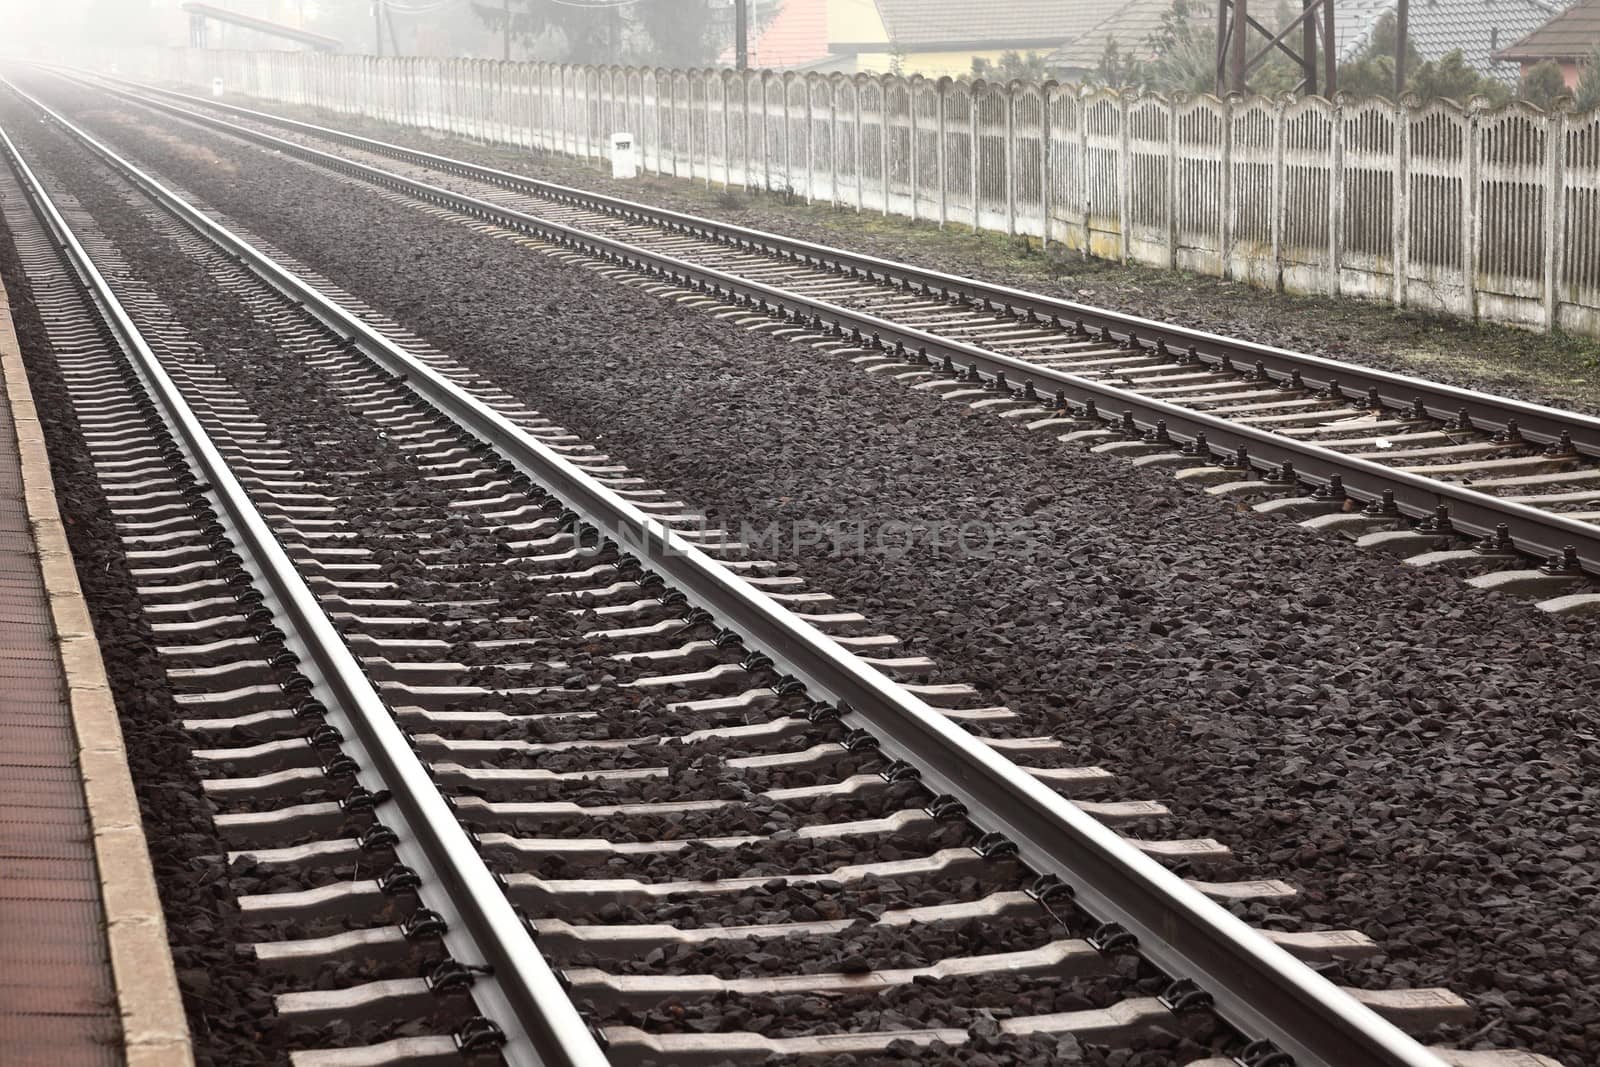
86	977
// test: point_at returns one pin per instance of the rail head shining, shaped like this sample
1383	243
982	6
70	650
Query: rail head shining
521	994
1256	986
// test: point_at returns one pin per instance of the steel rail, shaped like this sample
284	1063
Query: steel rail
1533	530
1537	422
1250	982
522	995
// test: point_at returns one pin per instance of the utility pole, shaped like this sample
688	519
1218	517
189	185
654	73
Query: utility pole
377	27
1234	60
1330	52
741	34
1236	56
1402	30
506	12
1308	47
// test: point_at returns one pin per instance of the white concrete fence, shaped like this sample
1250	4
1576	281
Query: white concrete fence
1489	214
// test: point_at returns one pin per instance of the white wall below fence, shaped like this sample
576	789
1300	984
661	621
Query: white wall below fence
1486	214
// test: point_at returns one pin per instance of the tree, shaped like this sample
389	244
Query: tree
1116	71
1589	83
1372	72
1011	66
1450	78
1543	85
667	33
1180	56
1185	53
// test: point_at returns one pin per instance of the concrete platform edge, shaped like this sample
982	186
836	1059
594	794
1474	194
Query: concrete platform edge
154	1026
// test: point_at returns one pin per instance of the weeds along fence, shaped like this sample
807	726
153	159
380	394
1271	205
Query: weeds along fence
1489	214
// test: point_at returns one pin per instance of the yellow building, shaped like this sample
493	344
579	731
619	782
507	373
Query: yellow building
942	37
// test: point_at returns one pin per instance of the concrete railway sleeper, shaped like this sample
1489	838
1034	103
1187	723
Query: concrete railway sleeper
530	631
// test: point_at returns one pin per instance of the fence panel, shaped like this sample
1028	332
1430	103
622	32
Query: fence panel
846	139
1027	162
1149	167
958	155
1252	188
1436	148
1200	130
1370	180
1511	211
897	146
1306	200
1102	174
925	160
990	119
823	183
1579	292
1068	222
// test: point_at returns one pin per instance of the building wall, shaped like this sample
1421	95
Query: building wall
927	64
855	22
1571	72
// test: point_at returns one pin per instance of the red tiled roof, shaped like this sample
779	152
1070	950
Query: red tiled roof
797	34
1572	34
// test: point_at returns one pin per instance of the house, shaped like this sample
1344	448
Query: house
1568	40
1475	28
935	38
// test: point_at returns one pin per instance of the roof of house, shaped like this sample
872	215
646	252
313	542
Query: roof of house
936	25
1131	23
1572	34
1475	28
797	36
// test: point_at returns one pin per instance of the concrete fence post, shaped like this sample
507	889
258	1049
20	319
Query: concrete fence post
1172	185
939	144
811	142
1046	95
727	145
1124	174
1227	193
1011	160
883	141
1468	236
974	152
912	167
788	139
1279	201
1554	215
1083	169
1336	205
861	174
1401	241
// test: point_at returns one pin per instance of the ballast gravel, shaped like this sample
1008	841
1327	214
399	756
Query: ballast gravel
303	416
1419	758
227	999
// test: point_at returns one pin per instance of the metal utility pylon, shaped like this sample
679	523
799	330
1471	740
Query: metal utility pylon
1236	60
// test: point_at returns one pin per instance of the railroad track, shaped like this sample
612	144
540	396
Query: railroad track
1446	476
452	646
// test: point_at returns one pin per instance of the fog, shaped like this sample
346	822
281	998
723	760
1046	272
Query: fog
665	32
